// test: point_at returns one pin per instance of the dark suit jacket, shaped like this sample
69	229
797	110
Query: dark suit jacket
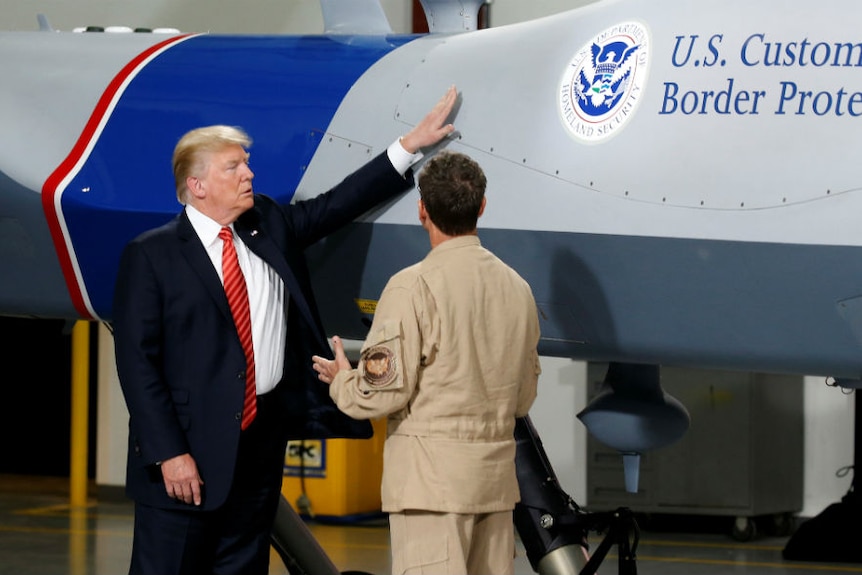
179	359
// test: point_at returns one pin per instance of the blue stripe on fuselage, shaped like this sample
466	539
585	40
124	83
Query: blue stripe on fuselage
283	90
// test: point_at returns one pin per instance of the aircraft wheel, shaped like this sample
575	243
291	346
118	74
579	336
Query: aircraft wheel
744	529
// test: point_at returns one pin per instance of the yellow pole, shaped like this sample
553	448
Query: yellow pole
80	406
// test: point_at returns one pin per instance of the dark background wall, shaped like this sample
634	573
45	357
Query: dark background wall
36	356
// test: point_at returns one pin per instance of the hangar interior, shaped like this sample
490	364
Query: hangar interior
726	498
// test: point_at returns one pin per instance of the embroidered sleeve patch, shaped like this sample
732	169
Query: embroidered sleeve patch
379	366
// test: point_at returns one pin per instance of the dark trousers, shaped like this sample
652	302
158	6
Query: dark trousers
231	540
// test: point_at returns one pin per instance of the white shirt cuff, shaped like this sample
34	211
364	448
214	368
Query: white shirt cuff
402	159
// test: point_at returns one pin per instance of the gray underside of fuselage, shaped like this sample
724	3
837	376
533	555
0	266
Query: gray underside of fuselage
718	304
32	283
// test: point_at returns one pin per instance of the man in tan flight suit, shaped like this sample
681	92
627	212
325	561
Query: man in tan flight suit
451	359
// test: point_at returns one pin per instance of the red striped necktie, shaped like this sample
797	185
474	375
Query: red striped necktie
237	297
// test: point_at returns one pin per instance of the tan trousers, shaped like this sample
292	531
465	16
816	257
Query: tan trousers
431	543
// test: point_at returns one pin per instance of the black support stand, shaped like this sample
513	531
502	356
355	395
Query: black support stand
553	528
621	530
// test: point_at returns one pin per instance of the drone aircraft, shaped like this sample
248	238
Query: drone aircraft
675	180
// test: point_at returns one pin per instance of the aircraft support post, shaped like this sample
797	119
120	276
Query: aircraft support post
550	524
296	545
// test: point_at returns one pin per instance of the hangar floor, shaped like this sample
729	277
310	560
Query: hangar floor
41	535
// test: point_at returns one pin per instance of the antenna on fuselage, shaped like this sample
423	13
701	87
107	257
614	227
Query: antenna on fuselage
450	16
44	25
365	17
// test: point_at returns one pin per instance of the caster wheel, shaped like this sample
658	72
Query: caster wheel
783	524
744	529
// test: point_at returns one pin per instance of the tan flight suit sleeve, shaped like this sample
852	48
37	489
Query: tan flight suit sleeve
385	377
532	368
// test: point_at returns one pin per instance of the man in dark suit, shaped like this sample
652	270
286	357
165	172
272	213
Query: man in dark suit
205	457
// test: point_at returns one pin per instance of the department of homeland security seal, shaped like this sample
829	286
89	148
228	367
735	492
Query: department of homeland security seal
604	81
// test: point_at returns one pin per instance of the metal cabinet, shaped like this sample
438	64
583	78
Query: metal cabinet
742	456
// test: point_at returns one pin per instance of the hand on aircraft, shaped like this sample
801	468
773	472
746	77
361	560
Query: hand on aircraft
182	481
432	128
327	369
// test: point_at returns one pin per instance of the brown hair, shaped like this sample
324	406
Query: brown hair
452	186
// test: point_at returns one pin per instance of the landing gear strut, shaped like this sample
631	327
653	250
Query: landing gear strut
553	528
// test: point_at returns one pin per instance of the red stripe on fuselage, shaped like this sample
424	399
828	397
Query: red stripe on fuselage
50	188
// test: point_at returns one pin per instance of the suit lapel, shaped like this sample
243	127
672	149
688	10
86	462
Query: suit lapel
199	261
